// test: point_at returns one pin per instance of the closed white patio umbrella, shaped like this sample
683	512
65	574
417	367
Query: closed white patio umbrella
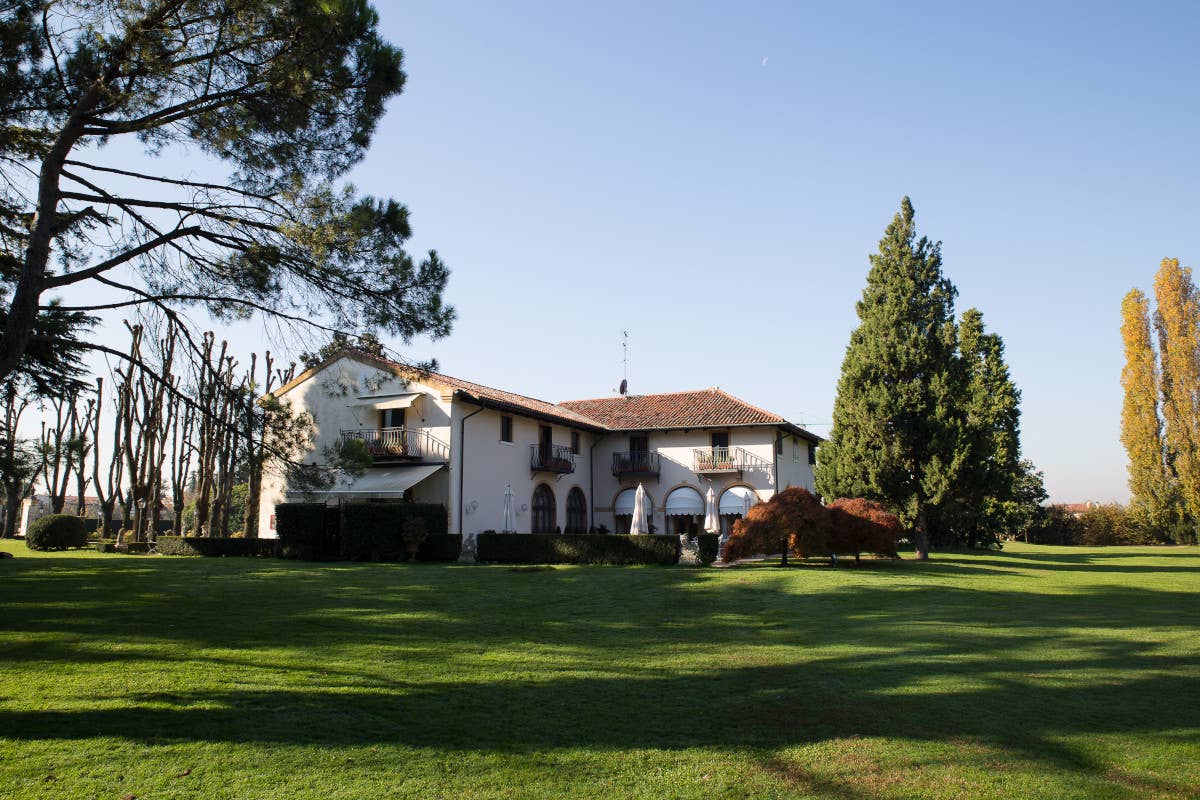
640	523
712	523
509	523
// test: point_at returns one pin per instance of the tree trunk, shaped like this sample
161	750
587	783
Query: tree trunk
783	558
921	535
253	492
12	508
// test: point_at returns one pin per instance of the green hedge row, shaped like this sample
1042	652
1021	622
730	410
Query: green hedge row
371	531
586	548
205	546
106	546
307	531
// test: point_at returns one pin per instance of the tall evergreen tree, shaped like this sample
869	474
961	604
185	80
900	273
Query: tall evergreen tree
897	430
1178	322
984	502
1141	423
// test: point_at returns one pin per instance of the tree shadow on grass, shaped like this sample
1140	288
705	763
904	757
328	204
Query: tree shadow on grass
781	662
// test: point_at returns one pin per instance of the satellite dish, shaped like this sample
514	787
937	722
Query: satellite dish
624	386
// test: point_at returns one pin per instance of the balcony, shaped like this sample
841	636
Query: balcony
718	460
398	445
635	464
555	458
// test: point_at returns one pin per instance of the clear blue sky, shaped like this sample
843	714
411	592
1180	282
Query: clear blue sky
712	177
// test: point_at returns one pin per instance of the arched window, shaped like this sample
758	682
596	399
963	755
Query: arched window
576	511
544	512
685	511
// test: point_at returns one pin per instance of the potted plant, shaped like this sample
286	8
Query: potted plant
412	532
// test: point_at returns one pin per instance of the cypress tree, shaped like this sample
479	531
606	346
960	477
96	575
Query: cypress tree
897	422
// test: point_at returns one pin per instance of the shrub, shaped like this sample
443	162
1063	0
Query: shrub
56	532
440	547
136	548
1112	524
581	548
305	532
206	546
374	531
862	526
791	521
709	545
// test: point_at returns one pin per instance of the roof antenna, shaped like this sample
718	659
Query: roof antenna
624	363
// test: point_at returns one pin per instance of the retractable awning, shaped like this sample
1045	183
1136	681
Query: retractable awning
684	500
384	481
381	402
624	504
737	499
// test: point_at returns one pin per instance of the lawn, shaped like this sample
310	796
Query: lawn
1033	672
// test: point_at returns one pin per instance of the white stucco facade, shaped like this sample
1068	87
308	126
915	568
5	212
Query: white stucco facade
469	455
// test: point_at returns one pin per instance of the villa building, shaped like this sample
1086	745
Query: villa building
572	466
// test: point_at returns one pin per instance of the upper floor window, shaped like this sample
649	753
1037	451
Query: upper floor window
639	444
575	442
391	418
506	429
778	445
720	439
812	453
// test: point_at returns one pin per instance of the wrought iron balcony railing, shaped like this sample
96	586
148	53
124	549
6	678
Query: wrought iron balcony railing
400	444
635	463
718	459
551	458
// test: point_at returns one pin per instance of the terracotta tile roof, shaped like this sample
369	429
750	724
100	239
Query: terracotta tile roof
516	401
486	394
705	408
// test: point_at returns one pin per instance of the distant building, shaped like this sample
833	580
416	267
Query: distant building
1077	510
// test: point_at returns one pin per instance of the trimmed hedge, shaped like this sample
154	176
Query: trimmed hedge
223	546
307	531
440	547
371	531
56	532
585	548
106	546
709	546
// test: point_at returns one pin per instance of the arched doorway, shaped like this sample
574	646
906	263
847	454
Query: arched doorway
685	511
544	511
576	511
623	510
735	502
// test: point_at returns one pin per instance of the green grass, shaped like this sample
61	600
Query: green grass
1035	672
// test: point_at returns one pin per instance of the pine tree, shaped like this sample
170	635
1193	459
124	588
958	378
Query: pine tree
897	431
1178	323
1141	424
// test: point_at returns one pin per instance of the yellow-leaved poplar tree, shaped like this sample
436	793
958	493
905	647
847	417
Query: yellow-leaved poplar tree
1141	424
1177	320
